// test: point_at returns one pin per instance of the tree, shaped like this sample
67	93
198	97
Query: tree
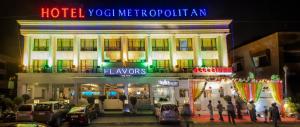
18	101
8	103
26	97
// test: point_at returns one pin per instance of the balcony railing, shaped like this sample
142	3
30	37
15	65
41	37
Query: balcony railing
88	49
136	48
112	48
40	48
208	48
184	48
160	48
64	48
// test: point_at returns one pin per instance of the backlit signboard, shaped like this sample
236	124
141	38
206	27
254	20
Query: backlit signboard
124	71
211	71
83	13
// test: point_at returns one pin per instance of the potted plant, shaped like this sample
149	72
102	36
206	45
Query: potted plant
26	97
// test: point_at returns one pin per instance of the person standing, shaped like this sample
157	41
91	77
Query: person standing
238	109
210	108
275	114
231	113
220	110
266	114
254	111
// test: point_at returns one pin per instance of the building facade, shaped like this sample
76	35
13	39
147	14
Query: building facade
268	56
151	60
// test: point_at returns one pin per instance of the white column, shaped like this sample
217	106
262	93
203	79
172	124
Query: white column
199	51
124	45
50	91
196	50
172	48
26	53
99	51
149	50
76	50
223	49
52	52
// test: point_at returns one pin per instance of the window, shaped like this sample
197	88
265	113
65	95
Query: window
39	65
136	45
64	44
262	58
210	63
161	64
185	63
88	44
136	60
112	44
88	65
64	65
41	45
184	44
160	45
208	44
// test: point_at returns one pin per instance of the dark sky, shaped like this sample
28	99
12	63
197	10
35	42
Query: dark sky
251	19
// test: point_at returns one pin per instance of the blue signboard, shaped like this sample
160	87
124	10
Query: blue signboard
124	71
120	13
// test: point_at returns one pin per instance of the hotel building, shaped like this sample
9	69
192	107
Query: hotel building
151	60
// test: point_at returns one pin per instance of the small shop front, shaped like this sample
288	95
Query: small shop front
210	83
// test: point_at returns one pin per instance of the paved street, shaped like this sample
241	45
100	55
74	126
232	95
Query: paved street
151	121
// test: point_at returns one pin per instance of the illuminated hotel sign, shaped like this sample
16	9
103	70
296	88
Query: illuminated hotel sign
82	13
168	83
212	71
124	71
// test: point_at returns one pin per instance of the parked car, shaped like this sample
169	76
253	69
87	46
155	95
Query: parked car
83	114
25	112
23	124
168	113
51	112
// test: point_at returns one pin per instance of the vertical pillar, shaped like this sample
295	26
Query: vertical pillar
199	51
196	50
172	48
52	52
124	45
76	50
50	91
223	51
26	53
99	51
149	50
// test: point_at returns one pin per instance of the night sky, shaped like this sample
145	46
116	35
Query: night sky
251	19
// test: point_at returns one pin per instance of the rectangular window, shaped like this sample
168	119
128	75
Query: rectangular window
64	65
161	64
210	63
208	44
184	44
41	45
88	65
39	65
112	44
136	44
188	64
160	45
64	44
88	45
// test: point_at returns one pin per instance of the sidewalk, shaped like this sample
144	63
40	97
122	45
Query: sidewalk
126	120
246	119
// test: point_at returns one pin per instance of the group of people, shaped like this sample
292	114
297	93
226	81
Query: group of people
220	108
272	113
